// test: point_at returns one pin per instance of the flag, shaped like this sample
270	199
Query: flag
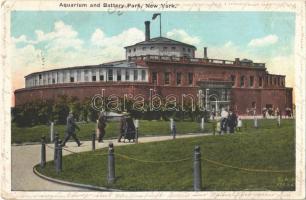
155	15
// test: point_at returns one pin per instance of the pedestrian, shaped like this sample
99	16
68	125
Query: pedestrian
239	124
123	128
213	114
218	127
101	127
224	117
232	121
70	130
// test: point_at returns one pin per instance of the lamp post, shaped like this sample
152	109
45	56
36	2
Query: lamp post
206	98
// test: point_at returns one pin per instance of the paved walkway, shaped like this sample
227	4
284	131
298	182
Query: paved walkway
26	156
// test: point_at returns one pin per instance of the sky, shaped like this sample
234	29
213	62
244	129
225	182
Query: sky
55	39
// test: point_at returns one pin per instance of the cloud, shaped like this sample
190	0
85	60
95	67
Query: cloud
183	36
264	41
127	37
62	47
283	65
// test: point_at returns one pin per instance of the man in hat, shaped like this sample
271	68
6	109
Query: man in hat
70	130
123	127
101	126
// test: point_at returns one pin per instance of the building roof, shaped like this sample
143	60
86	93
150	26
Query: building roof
114	64
162	40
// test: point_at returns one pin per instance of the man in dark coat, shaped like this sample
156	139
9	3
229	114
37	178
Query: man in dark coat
123	128
232	121
70	130
101	126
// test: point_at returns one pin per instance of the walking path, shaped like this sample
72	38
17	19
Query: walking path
24	157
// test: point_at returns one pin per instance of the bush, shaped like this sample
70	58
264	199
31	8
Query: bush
44	111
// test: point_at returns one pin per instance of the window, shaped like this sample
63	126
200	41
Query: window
278	81
71	79
188	50
173	48
143	75
127	75
154	77
39	76
110	74
167	78
165	48
130	50
53	80
184	49
118	75
151	48
135	75
134	49
101	77
253	104
260	81
178	78
283	82
270	80
251	81
144	48
242	81
190	78
233	79
94	78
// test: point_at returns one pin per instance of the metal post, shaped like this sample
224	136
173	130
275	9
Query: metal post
278	120
206	98
59	157
136	135
55	147
255	122
202	124
43	152
174	130
111	164
52	132
136	130
93	141
197	175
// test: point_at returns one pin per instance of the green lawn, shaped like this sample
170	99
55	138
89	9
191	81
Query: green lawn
34	134
268	147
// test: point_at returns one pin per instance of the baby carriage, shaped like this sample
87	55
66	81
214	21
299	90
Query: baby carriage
130	131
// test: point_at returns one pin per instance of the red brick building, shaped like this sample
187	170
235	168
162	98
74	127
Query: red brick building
166	67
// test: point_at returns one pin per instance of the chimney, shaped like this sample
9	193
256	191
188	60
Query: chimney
147	24
205	52
237	61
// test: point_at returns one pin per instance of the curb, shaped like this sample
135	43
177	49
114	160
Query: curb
91	187
114	138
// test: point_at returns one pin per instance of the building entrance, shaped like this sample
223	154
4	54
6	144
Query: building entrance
217	94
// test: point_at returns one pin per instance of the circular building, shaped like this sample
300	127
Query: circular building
166	67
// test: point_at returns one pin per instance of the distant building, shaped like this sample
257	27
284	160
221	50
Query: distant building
167	67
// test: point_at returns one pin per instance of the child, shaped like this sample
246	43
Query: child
239	124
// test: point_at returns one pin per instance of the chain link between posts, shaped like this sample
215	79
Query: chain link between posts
185	159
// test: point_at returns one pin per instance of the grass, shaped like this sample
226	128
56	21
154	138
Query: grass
147	128
268	147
